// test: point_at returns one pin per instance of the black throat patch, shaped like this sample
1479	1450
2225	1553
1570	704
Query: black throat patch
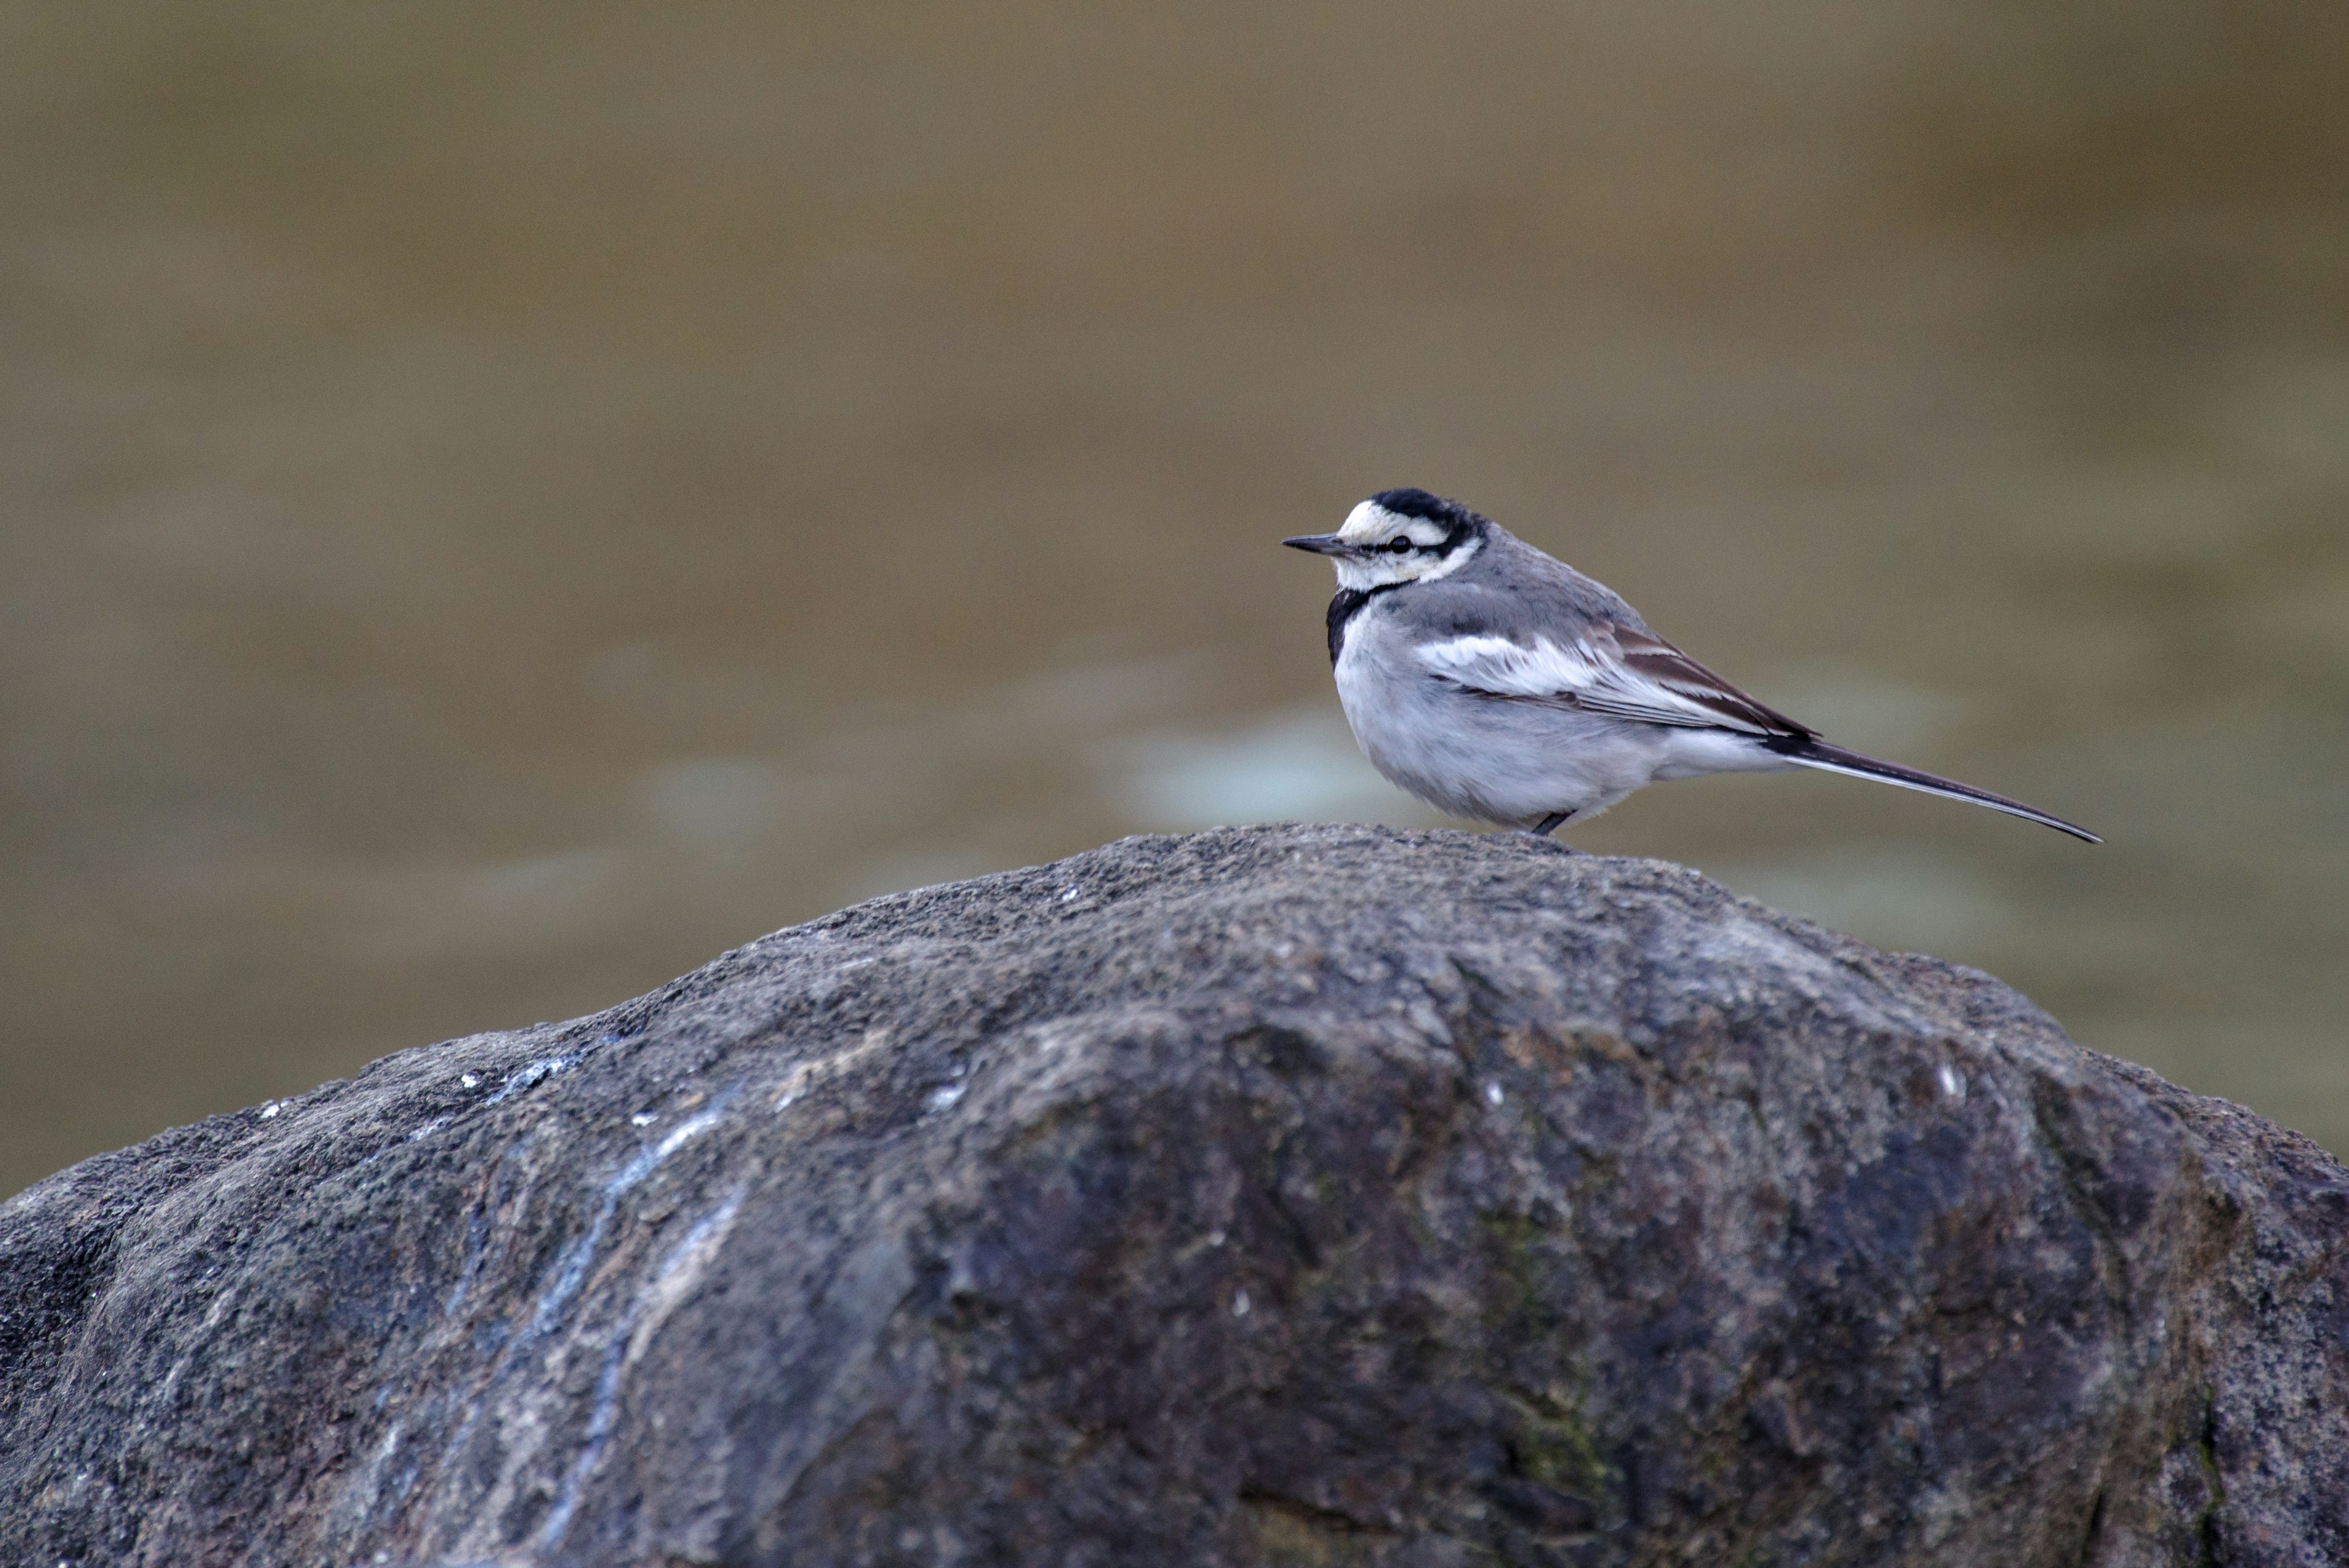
1345	607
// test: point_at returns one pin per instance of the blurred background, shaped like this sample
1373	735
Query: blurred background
498	505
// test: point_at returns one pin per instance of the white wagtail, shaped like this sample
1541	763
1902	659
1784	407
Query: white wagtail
1496	684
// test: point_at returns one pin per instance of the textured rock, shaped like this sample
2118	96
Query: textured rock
1312	1195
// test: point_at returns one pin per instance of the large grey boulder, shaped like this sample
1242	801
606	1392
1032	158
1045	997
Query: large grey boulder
1293	1195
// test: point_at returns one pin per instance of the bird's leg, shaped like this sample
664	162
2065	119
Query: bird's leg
1542	830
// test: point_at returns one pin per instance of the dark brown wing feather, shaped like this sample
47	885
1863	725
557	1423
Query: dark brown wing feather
1652	658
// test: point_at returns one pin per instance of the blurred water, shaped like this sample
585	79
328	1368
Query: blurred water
497	506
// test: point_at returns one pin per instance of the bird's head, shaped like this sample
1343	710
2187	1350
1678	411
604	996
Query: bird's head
1399	537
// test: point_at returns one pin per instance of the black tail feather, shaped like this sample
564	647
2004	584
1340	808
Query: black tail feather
1811	753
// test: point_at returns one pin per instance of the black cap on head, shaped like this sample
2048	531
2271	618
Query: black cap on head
1420	503
1456	521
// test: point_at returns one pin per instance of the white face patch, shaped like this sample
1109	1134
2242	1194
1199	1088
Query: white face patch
1374	528
1373	522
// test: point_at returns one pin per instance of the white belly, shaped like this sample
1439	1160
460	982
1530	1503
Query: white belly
1515	762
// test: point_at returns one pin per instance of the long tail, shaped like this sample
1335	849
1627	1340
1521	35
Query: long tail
1818	754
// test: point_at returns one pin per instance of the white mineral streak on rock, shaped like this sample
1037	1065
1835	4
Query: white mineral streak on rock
669	1286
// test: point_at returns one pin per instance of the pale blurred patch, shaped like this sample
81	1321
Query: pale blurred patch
1301	765
1908	900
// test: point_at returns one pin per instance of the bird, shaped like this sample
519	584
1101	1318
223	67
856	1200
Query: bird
1498	684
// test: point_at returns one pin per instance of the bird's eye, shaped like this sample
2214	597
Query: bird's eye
1400	545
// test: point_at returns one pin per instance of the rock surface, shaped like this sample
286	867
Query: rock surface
1300	1194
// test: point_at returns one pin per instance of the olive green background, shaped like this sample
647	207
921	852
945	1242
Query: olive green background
500	503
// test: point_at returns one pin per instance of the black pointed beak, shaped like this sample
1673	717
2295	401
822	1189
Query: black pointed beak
1320	544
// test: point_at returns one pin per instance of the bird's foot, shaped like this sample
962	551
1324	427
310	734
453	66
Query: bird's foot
1549	824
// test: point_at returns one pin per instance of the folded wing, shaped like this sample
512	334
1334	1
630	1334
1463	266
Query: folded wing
1631	674
1613	669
